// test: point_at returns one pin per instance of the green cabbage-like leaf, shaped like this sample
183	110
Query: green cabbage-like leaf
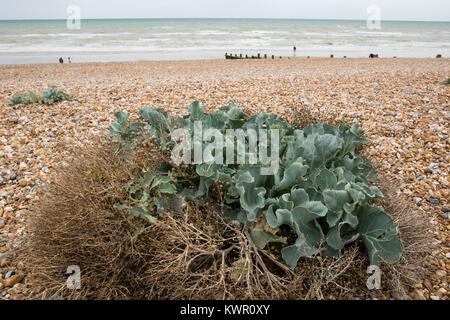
251	197
379	234
292	176
261	237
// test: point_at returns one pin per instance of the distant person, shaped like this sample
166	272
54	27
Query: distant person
61	60
68	58
295	49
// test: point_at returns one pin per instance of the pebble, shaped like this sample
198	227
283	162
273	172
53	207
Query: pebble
441	292
10	274
441	273
419	295
432	201
434	298
13	280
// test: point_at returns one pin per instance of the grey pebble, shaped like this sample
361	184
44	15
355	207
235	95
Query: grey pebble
10	274
432	201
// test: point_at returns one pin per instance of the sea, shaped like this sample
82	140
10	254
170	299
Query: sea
104	40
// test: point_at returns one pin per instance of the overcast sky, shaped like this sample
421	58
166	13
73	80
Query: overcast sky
423	10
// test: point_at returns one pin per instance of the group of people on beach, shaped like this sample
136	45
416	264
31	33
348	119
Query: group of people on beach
61	60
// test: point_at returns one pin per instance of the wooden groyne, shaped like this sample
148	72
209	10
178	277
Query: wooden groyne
241	56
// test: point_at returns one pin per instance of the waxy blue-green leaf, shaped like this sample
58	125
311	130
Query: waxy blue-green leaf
379	234
292	176
196	111
207	170
320	149
351	137
233	112
324	179
308	212
279	217
335	199
291	254
321	129
167	187
299	197
261	237
251	197
122	117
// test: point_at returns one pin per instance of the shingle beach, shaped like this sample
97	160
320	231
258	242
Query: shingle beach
400	104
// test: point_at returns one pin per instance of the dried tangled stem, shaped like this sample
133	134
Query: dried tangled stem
212	258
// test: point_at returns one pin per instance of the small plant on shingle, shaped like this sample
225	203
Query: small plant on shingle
318	201
49	97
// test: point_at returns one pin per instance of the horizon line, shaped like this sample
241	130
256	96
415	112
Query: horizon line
212	18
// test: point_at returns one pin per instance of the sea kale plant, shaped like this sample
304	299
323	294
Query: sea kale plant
317	201
49	97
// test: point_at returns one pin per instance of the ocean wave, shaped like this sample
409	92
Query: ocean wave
234	46
253	36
